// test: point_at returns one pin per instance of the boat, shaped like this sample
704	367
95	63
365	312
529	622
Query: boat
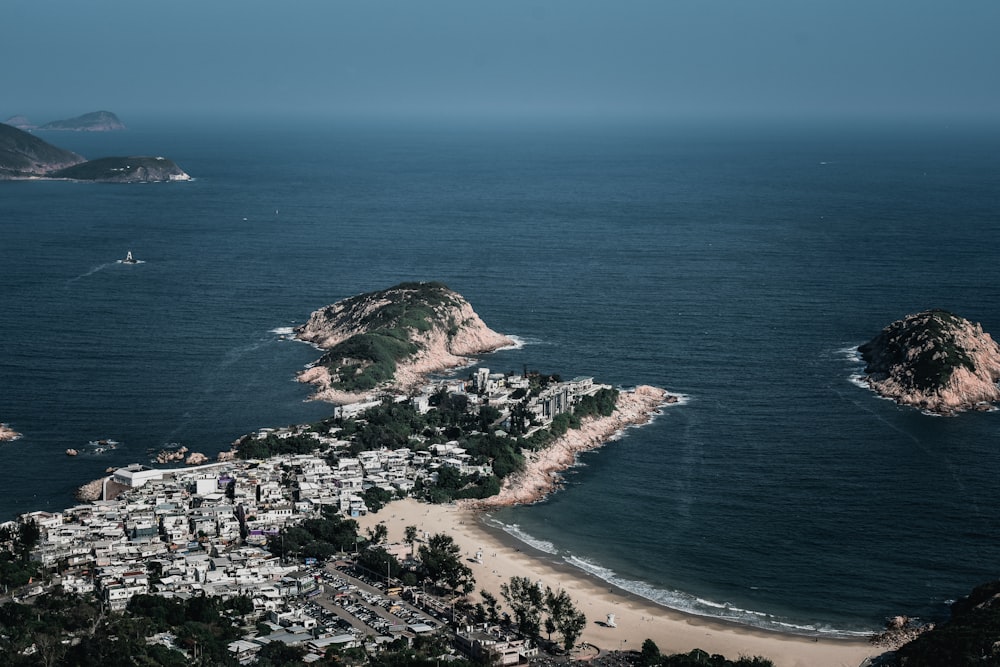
129	259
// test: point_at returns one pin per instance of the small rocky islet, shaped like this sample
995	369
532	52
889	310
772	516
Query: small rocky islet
935	361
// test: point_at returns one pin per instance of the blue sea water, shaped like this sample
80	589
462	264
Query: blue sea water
737	264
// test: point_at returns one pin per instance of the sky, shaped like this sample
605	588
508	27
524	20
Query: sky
656	58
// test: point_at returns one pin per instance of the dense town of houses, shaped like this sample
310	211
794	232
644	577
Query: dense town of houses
177	532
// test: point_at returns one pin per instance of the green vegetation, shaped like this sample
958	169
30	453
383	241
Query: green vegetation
650	657
394	425
366	360
931	332
318	538
16	568
250	447
201	625
441	563
529	602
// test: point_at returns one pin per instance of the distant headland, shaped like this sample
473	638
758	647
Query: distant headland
24	156
95	121
936	361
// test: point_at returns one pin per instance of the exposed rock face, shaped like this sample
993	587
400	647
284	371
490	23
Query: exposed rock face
24	155
935	361
136	169
95	121
392	338
7	433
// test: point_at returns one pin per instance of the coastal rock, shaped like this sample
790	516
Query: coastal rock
391	339
71	452
934	360
170	456
7	433
91	491
95	121
542	469
196	459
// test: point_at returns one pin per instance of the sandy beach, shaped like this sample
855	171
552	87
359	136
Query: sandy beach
637	618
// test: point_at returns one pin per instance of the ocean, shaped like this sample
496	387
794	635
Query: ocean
737	264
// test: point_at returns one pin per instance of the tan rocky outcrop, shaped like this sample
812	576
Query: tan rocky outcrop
542	469
91	491
7	433
935	361
172	455
446	338
196	459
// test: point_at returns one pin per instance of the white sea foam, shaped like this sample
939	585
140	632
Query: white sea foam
851	353
515	531
690	604
521	341
284	332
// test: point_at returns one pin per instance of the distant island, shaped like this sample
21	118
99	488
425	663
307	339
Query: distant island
25	156
391	339
95	121
936	361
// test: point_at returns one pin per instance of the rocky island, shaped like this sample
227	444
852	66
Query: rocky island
935	361
25	156
95	121
391	339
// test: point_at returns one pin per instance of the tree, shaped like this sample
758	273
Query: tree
442	563
492	607
563	616
526	600
377	533
410	535
650	654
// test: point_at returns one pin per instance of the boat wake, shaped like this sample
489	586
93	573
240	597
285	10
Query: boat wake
91	272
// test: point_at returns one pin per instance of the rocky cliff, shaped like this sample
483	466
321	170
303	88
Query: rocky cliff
393	338
935	361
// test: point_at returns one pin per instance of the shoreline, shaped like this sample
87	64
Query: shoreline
637	618
542	474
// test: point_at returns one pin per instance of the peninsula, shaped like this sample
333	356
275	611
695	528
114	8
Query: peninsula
935	361
392	339
24	156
